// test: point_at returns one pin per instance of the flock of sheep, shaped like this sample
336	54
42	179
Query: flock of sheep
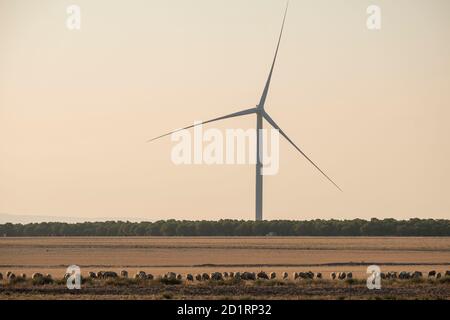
218	276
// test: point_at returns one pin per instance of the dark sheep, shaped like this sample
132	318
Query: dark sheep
342	275
92	275
205	276
198	277
189	277
262	275
37	275
109	274
216	276
273	275
285	275
124	274
319	275
404	275
432	274
333	275
248	276
392	275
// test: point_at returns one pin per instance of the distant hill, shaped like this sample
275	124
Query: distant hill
24	219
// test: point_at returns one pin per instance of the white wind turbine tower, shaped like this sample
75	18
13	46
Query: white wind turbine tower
260	114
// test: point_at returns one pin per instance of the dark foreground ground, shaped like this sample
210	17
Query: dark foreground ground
323	289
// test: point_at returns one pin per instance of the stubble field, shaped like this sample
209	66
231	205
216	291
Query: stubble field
158	255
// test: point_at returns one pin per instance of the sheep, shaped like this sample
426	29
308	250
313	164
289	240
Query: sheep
349	275
319	275
170	275
49	276
447	273
392	275
237	275
333	275
231	274
110	274
198	277
92	275
179	277
189	277
10	275
23	276
285	275
404	275
248	276
262	275
382	275
342	275
417	275
216	276
140	275
37	275
124	274
295	275
150	276
225	274
438	275
306	275
205	276
1	276
273	275
431	274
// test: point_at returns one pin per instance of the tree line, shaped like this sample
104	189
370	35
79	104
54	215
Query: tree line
227	228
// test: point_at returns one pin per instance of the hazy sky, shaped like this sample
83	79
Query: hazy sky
372	108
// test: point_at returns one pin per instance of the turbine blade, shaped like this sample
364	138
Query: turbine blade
273	124
232	115
266	87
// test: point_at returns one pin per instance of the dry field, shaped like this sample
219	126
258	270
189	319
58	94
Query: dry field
158	255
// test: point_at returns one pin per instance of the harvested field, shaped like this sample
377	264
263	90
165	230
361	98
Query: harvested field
158	255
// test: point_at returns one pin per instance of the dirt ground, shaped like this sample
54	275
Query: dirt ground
158	255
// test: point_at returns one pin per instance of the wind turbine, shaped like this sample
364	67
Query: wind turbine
260	114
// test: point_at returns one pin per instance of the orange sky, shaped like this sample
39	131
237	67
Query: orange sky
370	107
